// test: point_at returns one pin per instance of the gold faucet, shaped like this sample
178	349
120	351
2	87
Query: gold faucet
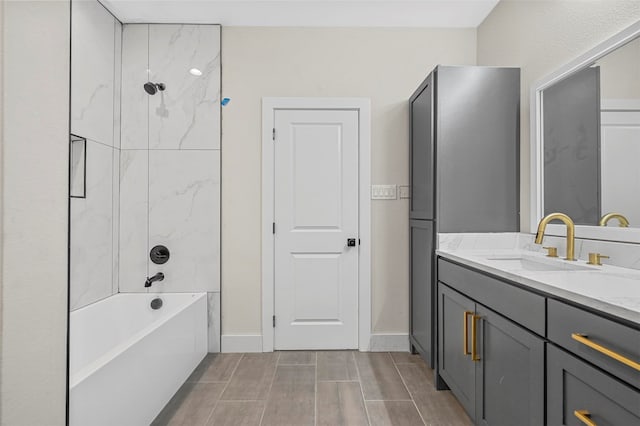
622	221
571	232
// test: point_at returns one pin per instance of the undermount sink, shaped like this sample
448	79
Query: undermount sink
532	264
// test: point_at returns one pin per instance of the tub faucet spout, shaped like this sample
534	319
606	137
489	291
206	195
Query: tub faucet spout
150	280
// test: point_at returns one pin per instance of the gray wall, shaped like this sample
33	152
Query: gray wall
35	141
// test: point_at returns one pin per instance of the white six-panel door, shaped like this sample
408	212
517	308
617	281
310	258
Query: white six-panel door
316	212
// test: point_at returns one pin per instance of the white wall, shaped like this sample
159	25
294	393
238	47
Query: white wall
539	37
2	202
1	180
620	72
35	141
95	115
385	65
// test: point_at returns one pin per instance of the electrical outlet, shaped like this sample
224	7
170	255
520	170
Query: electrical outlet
383	192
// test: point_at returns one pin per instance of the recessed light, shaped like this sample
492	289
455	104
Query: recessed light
195	71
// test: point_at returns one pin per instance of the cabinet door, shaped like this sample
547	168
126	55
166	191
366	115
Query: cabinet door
422	153
509	374
455	364
575	386
477	149
422	288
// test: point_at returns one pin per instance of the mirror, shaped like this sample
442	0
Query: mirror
586	141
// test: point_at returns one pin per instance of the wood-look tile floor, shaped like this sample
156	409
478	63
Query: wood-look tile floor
312	388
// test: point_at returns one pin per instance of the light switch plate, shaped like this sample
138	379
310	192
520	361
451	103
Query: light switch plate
404	192
383	192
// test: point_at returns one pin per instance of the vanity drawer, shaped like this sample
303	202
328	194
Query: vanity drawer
574	385
615	342
521	306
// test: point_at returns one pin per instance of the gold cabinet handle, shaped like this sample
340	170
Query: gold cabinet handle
465	333
584	339
474	338
585	417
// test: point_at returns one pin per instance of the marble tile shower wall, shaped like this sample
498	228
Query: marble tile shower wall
170	161
95	115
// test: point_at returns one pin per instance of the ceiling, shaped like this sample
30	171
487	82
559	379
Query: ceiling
306	13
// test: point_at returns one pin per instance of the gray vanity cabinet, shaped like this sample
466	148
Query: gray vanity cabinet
576	388
509	374
464	171
421	267
588	372
422	175
456	367
591	367
504	384
564	321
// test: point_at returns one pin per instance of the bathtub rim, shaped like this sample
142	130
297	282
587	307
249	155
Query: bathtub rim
101	361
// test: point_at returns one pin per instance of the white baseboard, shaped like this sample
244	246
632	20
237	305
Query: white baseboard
397	342
233	343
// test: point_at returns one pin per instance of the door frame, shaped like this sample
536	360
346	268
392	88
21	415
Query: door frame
269	108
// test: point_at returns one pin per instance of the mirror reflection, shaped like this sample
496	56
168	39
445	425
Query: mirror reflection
591	134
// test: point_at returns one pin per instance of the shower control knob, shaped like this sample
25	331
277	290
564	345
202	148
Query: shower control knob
159	255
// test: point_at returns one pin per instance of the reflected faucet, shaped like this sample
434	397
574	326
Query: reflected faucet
622	221
571	232
150	280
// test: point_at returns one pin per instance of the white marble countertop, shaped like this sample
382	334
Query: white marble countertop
609	289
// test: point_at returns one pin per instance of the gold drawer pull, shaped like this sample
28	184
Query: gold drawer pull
585	417
465	333
474	338
584	339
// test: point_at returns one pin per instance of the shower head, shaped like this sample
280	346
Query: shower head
152	88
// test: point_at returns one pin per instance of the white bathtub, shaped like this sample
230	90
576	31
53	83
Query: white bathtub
127	360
